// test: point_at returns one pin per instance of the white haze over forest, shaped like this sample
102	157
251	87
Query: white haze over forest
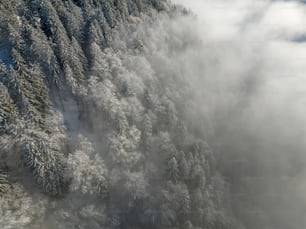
250	70
134	114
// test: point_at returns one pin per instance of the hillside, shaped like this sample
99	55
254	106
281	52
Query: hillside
95	128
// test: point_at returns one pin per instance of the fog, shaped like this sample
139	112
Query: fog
249	80
169	119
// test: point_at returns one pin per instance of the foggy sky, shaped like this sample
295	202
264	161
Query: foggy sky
250	82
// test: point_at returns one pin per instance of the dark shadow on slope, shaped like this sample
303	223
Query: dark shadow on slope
5	56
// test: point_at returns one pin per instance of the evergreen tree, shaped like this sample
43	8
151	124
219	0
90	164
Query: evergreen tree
173	170
184	168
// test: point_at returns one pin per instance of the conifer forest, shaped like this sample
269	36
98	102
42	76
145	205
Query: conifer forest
152	114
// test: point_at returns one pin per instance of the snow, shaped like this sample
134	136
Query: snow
19	20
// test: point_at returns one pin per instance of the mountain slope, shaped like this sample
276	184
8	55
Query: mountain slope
93	120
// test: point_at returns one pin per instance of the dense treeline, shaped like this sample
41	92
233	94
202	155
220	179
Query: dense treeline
93	126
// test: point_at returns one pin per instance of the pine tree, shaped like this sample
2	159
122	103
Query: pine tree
147	99
185	203
46	165
197	176
146	128
180	134
4	184
173	171
184	168
122	7
109	14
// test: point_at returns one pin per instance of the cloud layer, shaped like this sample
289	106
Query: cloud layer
249	78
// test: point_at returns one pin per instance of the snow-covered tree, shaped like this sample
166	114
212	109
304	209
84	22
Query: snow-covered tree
173	170
87	170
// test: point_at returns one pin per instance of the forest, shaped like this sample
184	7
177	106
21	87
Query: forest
130	114
94	132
